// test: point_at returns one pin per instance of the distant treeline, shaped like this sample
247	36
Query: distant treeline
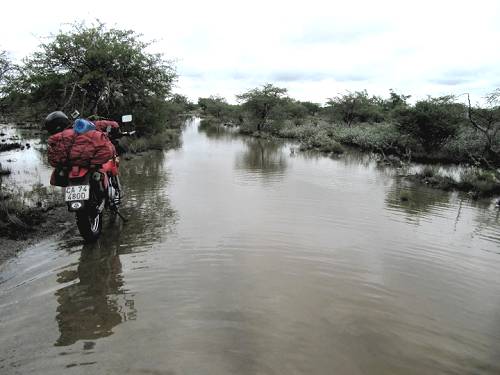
433	129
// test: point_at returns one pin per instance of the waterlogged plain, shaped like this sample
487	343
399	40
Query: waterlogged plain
242	255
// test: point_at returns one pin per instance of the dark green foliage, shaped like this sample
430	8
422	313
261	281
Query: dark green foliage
97	71
155	114
219	108
486	121
262	104
312	108
395	101
432	121
6	71
293	110
355	107
5	67
183	102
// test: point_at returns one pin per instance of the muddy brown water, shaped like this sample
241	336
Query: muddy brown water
243	257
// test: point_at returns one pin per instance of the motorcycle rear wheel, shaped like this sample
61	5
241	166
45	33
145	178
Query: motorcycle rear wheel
89	224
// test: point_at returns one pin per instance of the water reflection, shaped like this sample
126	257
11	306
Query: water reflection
262	156
415	201
217	131
96	300
146	205
487	221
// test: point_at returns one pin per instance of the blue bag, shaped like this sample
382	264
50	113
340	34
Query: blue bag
82	126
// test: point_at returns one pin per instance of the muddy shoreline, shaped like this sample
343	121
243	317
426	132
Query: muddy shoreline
57	222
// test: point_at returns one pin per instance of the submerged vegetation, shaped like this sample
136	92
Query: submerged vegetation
477	182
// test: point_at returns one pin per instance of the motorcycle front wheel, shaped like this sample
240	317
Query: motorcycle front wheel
89	224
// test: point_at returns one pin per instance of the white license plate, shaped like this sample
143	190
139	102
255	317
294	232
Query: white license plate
77	193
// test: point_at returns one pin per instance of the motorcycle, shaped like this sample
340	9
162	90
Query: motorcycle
91	190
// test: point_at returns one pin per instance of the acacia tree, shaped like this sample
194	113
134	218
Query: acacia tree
260	102
5	66
487	122
96	70
216	106
431	122
6	72
355	107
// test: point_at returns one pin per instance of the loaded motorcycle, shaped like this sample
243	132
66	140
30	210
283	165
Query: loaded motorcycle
91	190
92	187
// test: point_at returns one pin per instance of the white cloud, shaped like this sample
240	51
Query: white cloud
316	48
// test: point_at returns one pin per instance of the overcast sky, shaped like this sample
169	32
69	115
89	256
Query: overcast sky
316	49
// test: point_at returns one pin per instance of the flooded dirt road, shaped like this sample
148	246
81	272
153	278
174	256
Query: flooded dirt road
243	257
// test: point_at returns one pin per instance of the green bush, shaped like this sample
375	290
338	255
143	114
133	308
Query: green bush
264	105
354	108
321	141
383	137
290	130
218	108
97	70
431	122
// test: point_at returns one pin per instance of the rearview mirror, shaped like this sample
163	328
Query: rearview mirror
127	118
75	114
